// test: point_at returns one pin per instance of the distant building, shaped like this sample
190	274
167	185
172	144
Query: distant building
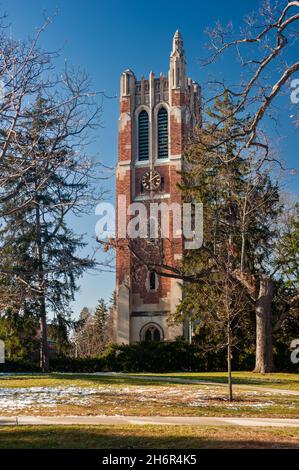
156	117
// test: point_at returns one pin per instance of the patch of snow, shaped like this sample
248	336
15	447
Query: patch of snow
21	398
50	397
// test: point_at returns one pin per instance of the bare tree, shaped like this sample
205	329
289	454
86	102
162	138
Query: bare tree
266	42
26	71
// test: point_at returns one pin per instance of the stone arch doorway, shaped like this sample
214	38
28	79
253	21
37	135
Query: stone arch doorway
151	332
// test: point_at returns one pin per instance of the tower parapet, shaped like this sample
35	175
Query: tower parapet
154	90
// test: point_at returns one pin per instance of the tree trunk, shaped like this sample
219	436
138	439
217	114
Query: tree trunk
264	349
229	363
44	352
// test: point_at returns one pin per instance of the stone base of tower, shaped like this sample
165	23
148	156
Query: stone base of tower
121	322
142	322
137	321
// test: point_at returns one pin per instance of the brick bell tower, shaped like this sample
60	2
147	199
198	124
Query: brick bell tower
156	117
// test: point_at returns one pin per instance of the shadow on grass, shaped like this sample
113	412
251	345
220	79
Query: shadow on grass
49	437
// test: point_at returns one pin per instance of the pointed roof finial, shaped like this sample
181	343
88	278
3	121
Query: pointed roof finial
177	44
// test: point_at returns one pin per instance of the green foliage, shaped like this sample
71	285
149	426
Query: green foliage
215	175
100	319
58	331
168	357
18	331
288	260
39	251
70	364
35	235
20	365
156	357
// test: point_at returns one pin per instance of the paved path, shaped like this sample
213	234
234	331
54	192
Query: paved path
142	420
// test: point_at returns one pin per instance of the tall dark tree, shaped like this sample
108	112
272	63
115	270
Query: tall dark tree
100	319
288	249
287	265
18	330
56	180
59	332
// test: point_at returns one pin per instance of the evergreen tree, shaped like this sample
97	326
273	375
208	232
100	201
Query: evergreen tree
100	319
287	284
288	259
58	331
84	314
18	330
40	249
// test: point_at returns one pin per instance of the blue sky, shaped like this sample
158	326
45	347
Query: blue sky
105	38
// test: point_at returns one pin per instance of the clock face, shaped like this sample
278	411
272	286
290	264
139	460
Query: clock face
151	180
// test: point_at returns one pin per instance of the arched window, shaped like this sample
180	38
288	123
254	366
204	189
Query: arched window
151	333
162	133
143	133
152	280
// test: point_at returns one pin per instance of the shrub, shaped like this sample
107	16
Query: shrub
20	365
152	357
70	364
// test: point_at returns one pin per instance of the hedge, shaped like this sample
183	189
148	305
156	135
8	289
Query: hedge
19	365
143	357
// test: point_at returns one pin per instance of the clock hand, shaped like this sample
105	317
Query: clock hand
154	177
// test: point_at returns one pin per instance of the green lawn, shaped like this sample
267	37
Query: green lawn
280	380
146	437
57	379
286	381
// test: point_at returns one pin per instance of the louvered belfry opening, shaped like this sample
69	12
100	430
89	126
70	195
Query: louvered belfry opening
162	133
143	136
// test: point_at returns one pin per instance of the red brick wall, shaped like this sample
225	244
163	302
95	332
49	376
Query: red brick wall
126	263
